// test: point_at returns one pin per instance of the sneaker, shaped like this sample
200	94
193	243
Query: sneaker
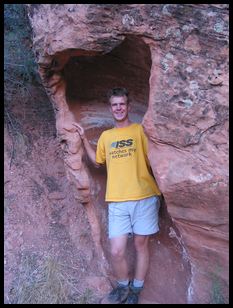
119	294
133	294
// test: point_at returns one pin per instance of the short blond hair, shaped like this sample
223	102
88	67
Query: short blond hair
118	92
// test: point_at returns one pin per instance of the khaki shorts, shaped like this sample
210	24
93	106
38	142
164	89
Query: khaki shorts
138	216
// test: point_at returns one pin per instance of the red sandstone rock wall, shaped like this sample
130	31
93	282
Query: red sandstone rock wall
174	60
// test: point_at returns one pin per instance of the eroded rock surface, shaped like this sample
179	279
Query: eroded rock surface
174	61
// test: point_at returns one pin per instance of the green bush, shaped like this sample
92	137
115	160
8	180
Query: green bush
20	73
217	290
19	62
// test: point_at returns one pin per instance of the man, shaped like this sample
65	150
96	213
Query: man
131	192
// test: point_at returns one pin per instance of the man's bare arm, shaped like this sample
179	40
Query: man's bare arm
90	152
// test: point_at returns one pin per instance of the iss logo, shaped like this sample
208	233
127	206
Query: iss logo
122	143
122	150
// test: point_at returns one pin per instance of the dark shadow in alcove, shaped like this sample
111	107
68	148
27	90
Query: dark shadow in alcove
89	78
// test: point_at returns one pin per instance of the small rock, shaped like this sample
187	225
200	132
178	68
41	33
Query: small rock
56	195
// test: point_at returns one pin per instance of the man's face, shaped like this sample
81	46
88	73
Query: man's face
119	108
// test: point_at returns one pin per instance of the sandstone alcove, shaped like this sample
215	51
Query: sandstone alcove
87	79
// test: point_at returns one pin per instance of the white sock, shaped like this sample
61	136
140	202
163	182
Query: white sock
123	282
138	283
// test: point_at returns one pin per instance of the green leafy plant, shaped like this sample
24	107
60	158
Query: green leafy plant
217	295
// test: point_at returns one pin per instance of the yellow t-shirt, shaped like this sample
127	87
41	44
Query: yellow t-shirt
128	169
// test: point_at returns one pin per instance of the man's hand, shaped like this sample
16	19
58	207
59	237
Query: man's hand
87	146
80	130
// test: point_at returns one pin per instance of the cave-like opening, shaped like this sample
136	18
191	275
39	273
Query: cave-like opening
88	78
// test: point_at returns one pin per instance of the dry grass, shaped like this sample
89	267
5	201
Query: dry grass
47	284
20	142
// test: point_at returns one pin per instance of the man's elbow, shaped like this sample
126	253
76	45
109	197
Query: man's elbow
97	165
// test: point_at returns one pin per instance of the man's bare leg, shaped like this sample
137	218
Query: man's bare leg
119	294
142	249
142	263
119	262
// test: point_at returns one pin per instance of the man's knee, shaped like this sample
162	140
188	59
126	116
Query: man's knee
141	242
117	253
118	246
